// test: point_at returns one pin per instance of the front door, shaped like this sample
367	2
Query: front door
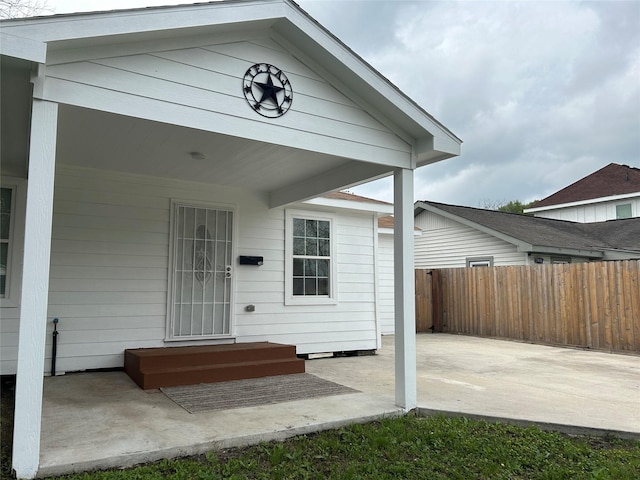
201	277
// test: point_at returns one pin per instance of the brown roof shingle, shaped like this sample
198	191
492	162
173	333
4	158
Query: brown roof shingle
614	179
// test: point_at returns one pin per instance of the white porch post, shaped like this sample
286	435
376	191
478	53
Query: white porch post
404	285
35	289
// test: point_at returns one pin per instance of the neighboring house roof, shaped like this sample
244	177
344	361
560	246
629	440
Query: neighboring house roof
609	181
544	234
354	198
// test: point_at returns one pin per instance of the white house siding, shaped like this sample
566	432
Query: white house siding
196	86
109	267
593	212
445	243
386	312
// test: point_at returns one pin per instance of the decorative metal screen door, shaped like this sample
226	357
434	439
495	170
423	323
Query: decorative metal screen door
202	270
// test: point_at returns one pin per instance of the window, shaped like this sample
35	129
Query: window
6	208
560	260
480	262
310	253
623	211
12	207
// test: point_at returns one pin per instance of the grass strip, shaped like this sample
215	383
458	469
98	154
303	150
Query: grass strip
407	448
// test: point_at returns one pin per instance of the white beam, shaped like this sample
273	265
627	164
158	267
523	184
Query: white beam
352	173
35	289
404	285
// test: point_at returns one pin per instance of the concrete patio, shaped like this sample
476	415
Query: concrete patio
100	420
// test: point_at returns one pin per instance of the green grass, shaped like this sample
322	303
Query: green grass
408	448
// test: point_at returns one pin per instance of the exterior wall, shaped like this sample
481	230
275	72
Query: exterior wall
592	212
386	313
195	82
109	271
445	243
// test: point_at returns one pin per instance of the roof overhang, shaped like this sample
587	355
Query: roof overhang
521	246
592	254
419	207
33	38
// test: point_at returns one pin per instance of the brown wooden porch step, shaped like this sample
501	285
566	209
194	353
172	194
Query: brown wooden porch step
172	366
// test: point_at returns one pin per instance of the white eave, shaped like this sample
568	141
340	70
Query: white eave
299	32
22	48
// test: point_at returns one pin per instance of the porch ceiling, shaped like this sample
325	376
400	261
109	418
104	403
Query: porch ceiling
89	138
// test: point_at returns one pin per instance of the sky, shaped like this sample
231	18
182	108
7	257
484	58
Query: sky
542	93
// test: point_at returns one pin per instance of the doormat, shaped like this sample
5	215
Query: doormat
253	392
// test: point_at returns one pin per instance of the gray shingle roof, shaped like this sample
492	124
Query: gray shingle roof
546	232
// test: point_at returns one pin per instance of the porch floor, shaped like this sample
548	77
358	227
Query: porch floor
100	420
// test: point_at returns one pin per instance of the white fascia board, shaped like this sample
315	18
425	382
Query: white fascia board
591	201
362	206
80	26
522	246
22	48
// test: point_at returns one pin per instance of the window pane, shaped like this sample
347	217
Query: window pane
310	268
4	250
298	227
323	286
323	248
298	286
298	246
311	247
312	228
298	267
623	211
310	286
323	268
5	212
323	229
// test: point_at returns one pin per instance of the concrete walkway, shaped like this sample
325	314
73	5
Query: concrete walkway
100	420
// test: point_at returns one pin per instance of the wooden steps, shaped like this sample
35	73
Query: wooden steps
172	366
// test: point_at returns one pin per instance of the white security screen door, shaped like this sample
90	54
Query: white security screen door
202	272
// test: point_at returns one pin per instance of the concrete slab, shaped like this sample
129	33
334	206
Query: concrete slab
100	420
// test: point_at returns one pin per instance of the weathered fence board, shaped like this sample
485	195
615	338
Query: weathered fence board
593	305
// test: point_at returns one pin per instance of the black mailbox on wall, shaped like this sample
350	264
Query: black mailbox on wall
251	260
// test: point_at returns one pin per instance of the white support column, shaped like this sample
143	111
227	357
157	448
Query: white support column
35	289
405	316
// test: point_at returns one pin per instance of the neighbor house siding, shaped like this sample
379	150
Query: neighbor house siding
196	86
109	268
593	212
445	243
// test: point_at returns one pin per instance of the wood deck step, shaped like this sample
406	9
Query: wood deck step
172	366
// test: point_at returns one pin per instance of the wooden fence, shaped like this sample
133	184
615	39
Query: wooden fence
593	305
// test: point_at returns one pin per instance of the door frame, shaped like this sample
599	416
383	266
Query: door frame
230	207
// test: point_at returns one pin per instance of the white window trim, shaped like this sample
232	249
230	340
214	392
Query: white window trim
480	261
169	337
289	297
15	254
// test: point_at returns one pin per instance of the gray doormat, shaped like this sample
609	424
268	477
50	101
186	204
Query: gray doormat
253	392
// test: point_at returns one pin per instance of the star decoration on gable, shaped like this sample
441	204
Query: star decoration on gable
267	90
